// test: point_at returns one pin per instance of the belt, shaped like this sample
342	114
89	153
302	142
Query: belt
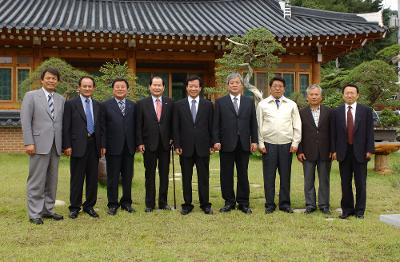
90	135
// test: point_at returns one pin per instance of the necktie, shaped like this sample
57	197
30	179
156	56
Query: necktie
235	105
122	107
349	126
89	118
51	105
193	110
277	101
158	109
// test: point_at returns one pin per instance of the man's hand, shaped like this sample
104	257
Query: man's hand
262	150
293	149
253	147
217	146
141	148
102	152
368	156
301	157
333	156
211	150
178	151
68	151
30	149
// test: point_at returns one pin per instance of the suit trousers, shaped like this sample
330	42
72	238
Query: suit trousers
278	157
119	165
150	163
227	161
347	168
324	169
203	174
82	168
42	183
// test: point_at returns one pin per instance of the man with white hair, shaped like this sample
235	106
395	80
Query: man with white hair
314	150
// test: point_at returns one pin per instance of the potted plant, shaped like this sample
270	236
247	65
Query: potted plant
386	126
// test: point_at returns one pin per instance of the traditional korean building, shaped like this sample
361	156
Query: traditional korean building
168	38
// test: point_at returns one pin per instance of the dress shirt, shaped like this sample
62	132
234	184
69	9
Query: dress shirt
353	111
123	101
197	102
316	113
278	126
154	102
238	99
83	98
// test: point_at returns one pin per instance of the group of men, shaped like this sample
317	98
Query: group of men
193	127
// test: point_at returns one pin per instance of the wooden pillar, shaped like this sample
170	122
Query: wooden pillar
131	61
37	57
316	73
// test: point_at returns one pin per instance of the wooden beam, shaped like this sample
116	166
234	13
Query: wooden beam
168	56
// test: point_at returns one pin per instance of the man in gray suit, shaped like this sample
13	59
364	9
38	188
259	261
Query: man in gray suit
41	119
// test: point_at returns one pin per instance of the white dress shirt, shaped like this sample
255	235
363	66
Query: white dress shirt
353	111
83	98
278	125
190	99
154	102
238	99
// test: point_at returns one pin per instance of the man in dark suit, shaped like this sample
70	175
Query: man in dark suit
41	119
352	146
235	135
119	139
314	150
153	136
82	142
192	125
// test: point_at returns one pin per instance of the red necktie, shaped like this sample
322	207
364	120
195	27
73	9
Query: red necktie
158	109
349	126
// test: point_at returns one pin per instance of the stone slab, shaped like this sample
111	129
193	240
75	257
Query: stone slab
393	219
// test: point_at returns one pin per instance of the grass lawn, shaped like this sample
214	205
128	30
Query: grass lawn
169	236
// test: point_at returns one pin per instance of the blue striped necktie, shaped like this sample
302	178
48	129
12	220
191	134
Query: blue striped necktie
51	105
89	118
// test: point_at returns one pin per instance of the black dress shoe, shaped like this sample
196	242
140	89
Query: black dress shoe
128	208
227	208
309	210
112	211
185	211
245	209
360	216
74	214
148	210
208	211
166	207
345	215
269	210
90	211
53	216
326	210
286	209
36	221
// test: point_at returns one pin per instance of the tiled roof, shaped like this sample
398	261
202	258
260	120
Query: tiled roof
10	118
204	18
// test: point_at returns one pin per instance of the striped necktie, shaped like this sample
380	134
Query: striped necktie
122	107
89	117
51	105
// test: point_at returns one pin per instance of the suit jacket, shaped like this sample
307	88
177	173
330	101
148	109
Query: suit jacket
118	129
149	131
228	126
315	140
363	133
38	127
193	137
74	126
